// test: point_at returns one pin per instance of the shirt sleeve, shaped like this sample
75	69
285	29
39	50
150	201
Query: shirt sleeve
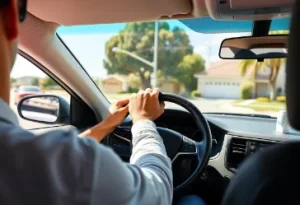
146	180
60	168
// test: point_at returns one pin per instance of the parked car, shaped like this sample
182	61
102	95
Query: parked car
23	91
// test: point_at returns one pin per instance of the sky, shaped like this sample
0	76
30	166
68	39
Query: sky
88	44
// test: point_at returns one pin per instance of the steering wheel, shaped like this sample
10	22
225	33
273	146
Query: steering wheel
180	149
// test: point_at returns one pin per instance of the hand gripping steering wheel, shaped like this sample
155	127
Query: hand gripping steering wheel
179	148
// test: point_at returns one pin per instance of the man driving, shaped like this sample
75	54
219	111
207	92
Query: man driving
61	168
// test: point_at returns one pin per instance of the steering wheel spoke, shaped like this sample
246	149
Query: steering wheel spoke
188	146
123	133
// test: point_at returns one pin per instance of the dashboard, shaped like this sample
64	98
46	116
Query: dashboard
235	138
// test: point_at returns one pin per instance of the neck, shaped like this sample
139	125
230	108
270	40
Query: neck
6	53
5	85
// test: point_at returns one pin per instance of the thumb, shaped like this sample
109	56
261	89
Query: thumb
124	109
122	103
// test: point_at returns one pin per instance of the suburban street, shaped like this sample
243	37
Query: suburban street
205	106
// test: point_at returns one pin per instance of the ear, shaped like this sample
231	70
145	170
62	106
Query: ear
11	20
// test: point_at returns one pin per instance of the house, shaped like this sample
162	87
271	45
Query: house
169	86
223	80
114	84
26	80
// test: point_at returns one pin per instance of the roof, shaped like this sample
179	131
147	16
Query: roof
224	68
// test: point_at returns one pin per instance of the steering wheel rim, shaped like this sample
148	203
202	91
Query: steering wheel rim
188	146
203	148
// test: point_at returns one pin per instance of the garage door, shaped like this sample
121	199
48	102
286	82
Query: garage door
221	90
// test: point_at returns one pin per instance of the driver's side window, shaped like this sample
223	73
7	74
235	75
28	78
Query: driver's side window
28	80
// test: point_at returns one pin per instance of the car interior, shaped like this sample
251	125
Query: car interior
206	149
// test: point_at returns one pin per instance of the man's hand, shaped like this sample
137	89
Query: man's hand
116	115
145	105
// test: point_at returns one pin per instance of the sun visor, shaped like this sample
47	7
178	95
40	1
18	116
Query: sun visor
74	12
293	70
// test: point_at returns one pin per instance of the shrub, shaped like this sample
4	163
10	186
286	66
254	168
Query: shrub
185	94
278	91
195	94
262	99
132	90
246	90
281	98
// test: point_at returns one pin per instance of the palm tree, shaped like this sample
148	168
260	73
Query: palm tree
274	65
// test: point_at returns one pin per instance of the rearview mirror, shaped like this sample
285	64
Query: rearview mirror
48	109
251	47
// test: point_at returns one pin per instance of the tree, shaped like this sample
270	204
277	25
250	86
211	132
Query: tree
273	64
47	82
12	80
190	65
134	81
35	82
138	38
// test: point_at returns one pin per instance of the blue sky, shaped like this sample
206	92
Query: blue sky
88	45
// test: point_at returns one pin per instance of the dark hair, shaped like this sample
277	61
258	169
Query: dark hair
22	5
4	3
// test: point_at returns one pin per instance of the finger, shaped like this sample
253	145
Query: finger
124	109
155	92
133	95
162	107
140	92
148	90
162	104
122	103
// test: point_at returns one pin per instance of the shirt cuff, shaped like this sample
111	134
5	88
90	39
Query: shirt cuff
143	125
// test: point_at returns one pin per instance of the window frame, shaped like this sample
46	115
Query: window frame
81	114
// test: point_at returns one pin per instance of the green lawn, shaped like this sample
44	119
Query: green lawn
261	106
239	101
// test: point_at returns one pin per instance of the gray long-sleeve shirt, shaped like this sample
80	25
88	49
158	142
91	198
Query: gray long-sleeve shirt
60	168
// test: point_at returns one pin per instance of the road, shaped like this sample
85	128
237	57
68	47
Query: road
220	106
205	105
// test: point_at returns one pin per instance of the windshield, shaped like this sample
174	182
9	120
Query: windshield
123	58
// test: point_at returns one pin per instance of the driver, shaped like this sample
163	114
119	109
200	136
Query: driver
59	167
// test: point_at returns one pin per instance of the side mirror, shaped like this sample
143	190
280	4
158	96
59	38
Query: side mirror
49	109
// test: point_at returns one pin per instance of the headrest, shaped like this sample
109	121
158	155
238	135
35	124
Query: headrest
270	177
293	70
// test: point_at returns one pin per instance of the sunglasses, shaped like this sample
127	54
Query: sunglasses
22	8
